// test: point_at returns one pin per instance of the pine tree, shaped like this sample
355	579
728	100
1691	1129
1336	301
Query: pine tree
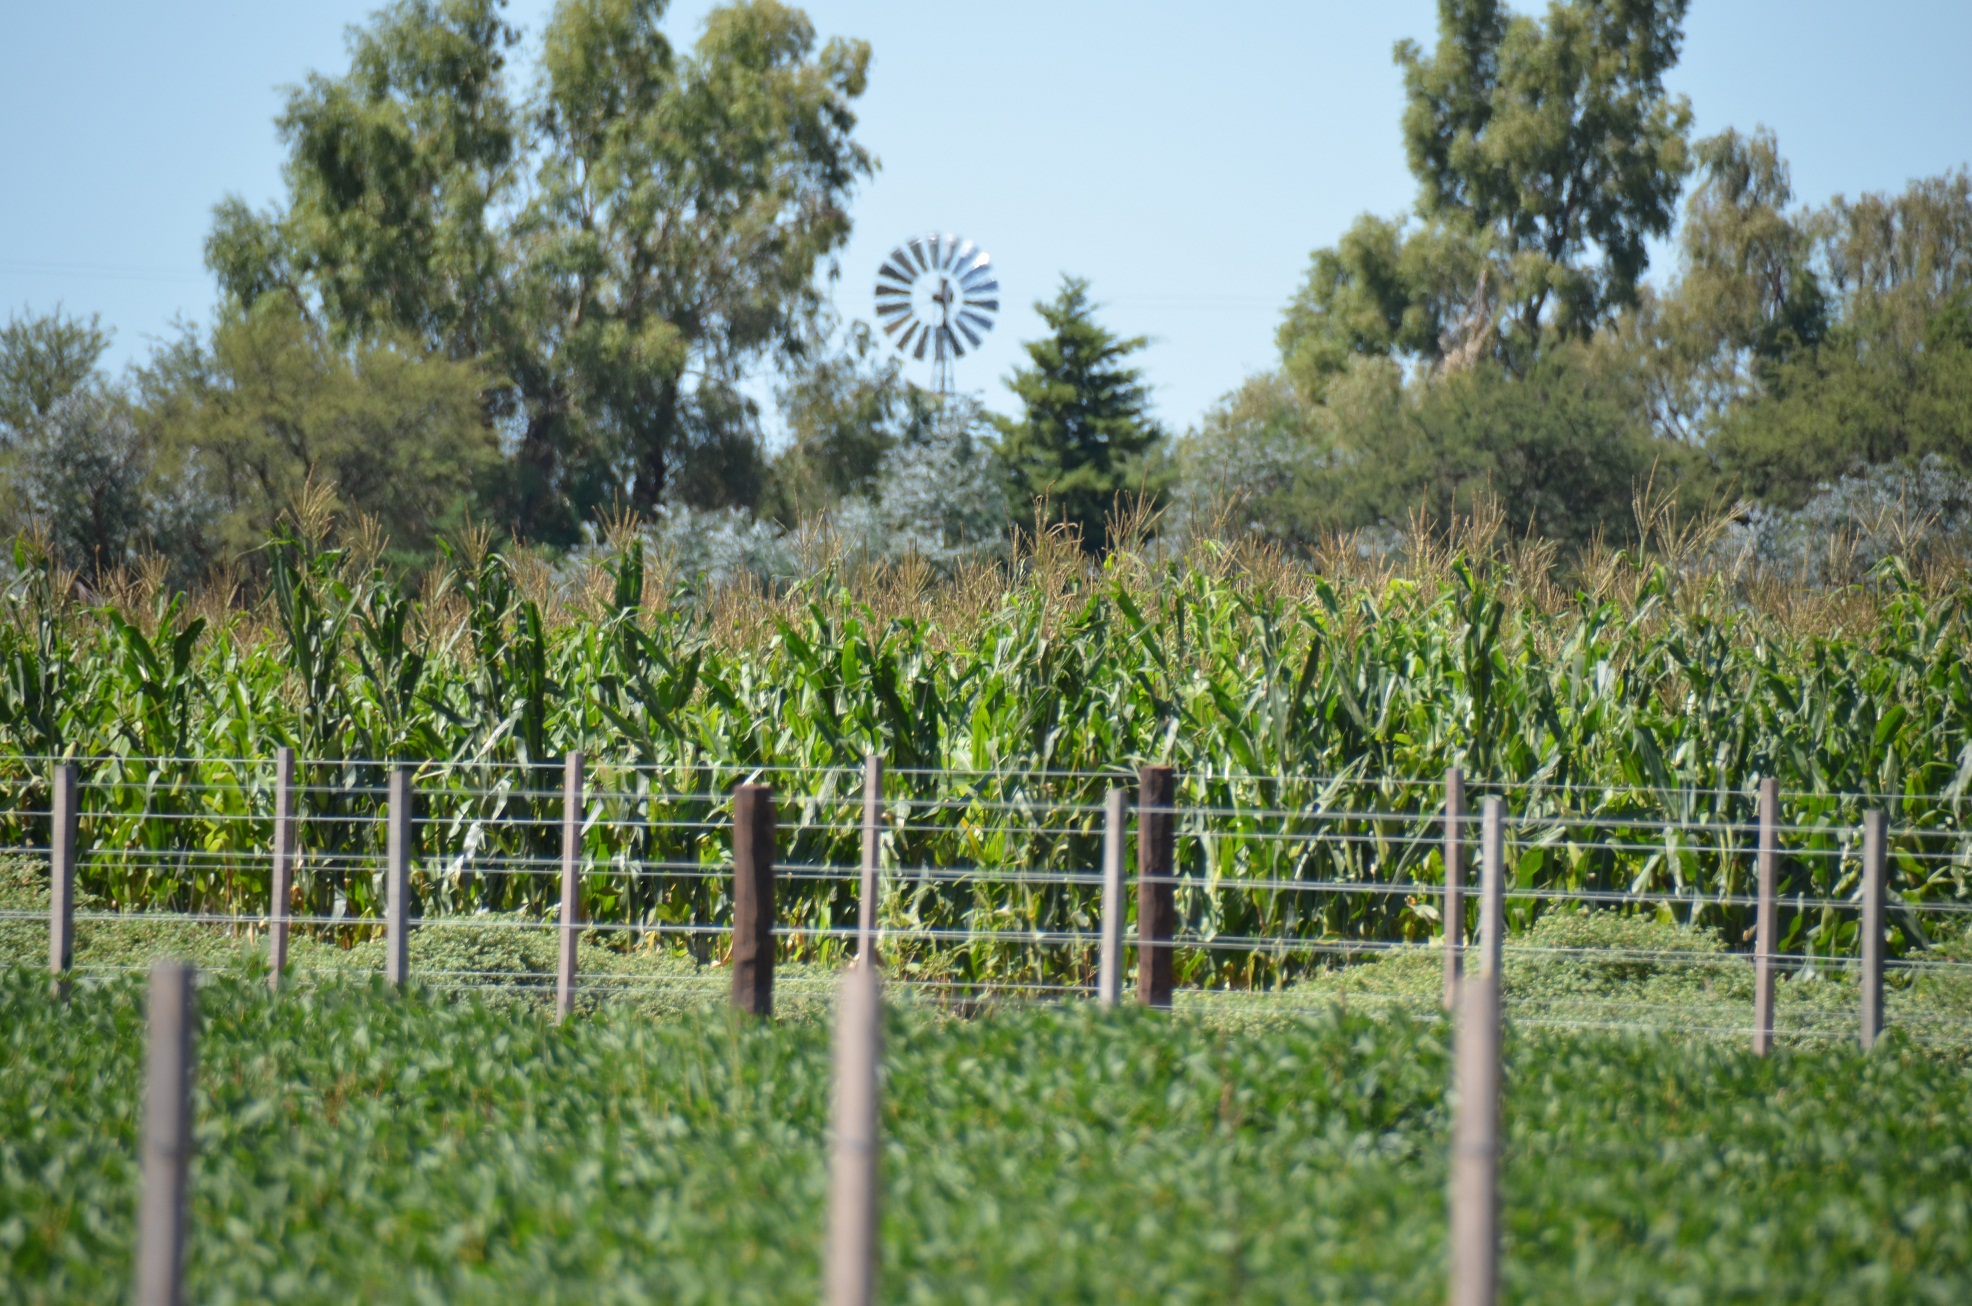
1087	437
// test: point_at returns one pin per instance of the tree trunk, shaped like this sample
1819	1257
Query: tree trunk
647	489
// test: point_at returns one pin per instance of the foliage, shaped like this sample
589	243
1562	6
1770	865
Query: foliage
1794	347
847	408
1548	140
940	493
1563	444
1747	297
1802	347
1849	406
719	547
1250	459
1561	447
1547	153
1423	362
1649	695
272	413
43	360
76	465
618	253
84	474
354	1145
1900	266
1085	439
1897	514
1380	291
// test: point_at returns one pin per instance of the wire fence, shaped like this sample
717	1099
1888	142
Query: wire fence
993	886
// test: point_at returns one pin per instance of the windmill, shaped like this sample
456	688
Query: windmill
937	293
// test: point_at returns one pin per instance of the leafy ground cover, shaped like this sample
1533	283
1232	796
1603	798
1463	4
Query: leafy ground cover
1601	969
360	1145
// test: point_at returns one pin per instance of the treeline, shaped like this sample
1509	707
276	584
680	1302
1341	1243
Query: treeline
533	300
1812	366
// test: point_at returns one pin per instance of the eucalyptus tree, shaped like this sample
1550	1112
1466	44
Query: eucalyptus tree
1547	153
618	243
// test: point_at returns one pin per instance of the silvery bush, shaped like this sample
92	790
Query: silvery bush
1911	511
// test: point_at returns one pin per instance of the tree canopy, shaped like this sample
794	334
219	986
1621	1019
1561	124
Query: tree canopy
541	287
1547	154
616	252
1086	436
44	360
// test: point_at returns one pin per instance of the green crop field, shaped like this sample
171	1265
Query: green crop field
1629	690
1281	1137
355	1145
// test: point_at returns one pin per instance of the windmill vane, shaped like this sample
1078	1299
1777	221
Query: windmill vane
937	293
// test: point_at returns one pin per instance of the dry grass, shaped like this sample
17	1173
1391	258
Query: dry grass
1047	560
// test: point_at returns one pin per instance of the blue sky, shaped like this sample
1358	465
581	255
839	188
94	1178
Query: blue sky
1184	157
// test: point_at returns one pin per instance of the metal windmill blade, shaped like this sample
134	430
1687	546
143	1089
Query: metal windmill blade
938	294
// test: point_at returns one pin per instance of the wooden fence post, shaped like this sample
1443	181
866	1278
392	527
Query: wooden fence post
753	899
63	829
397	881
1765	926
850	1273
167	1150
279	909
1492	887
1157	912
1875	859
1475	1237
571	883
1109	963
1475	1195
1454	905
867	892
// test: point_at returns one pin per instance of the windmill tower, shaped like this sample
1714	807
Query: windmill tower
937	294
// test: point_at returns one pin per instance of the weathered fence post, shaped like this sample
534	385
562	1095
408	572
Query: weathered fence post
167	1150
866	898
571	883
1109	962
1475	1197
1765	926
63	828
279	909
753	899
397	881
1454	905
1875	859
1157	911
850	1273
1492	887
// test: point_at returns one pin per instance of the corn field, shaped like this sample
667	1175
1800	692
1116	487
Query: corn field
1005	702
